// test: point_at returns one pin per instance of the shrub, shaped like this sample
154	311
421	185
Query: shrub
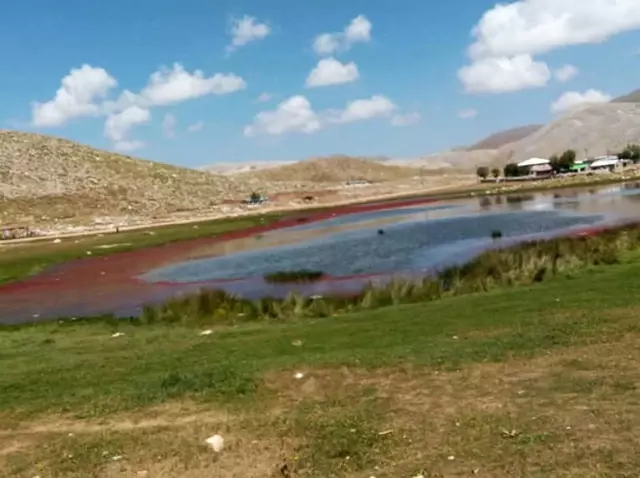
302	275
483	172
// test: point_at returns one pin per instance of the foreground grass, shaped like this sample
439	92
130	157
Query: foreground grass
22	260
531	381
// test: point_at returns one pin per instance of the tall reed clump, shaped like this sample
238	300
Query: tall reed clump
525	263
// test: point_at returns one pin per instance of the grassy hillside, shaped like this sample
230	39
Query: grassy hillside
336	169
44	178
535	381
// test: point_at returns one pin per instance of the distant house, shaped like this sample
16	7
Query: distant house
606	162
536	166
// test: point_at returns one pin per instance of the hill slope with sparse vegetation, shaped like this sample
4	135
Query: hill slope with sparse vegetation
44	178
336	169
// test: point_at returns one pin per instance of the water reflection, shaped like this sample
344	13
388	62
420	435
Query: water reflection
415	239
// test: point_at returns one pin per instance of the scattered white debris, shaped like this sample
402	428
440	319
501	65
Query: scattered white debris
89	253
117	457
451	458
385	432
419	475
57	241
298	376
315	297
455	337
70	435
475	471
206	332
35	316
118	334
216	442
297	343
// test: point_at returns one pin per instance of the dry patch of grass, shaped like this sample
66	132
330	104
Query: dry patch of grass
572	413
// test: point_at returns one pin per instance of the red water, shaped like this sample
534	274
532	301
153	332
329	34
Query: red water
98	285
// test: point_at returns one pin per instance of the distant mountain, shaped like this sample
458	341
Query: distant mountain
592	129
331	170
633	97
501	138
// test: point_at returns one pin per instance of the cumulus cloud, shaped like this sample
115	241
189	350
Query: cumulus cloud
357	31
501	75
294	114
540	26
330	71
566	73
118	125
246	30
407	119
526	28
169	124
469	113
77	96
174	85
572	99
195	127
264	97
297	115
83	93
364	109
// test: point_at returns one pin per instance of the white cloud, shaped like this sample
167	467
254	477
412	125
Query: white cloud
75	98
169	124
407	119
330	71
357	31
167	86
526	28
364	109
128	146
571	99
502	74
468	113
294	114
297	115
195	127
118	125
540	26
264	97
566	73
246	30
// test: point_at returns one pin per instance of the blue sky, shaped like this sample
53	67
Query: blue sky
402	78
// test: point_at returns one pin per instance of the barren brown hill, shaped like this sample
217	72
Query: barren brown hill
500	139
336	169
44	178
633	97
593	130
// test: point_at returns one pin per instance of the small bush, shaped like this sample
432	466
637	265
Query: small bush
302	275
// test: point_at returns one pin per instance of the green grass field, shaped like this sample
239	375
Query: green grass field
531	381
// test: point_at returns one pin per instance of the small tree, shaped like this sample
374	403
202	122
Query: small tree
568	157
634	150
625	154
255	197
483	172
495	172
511	170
